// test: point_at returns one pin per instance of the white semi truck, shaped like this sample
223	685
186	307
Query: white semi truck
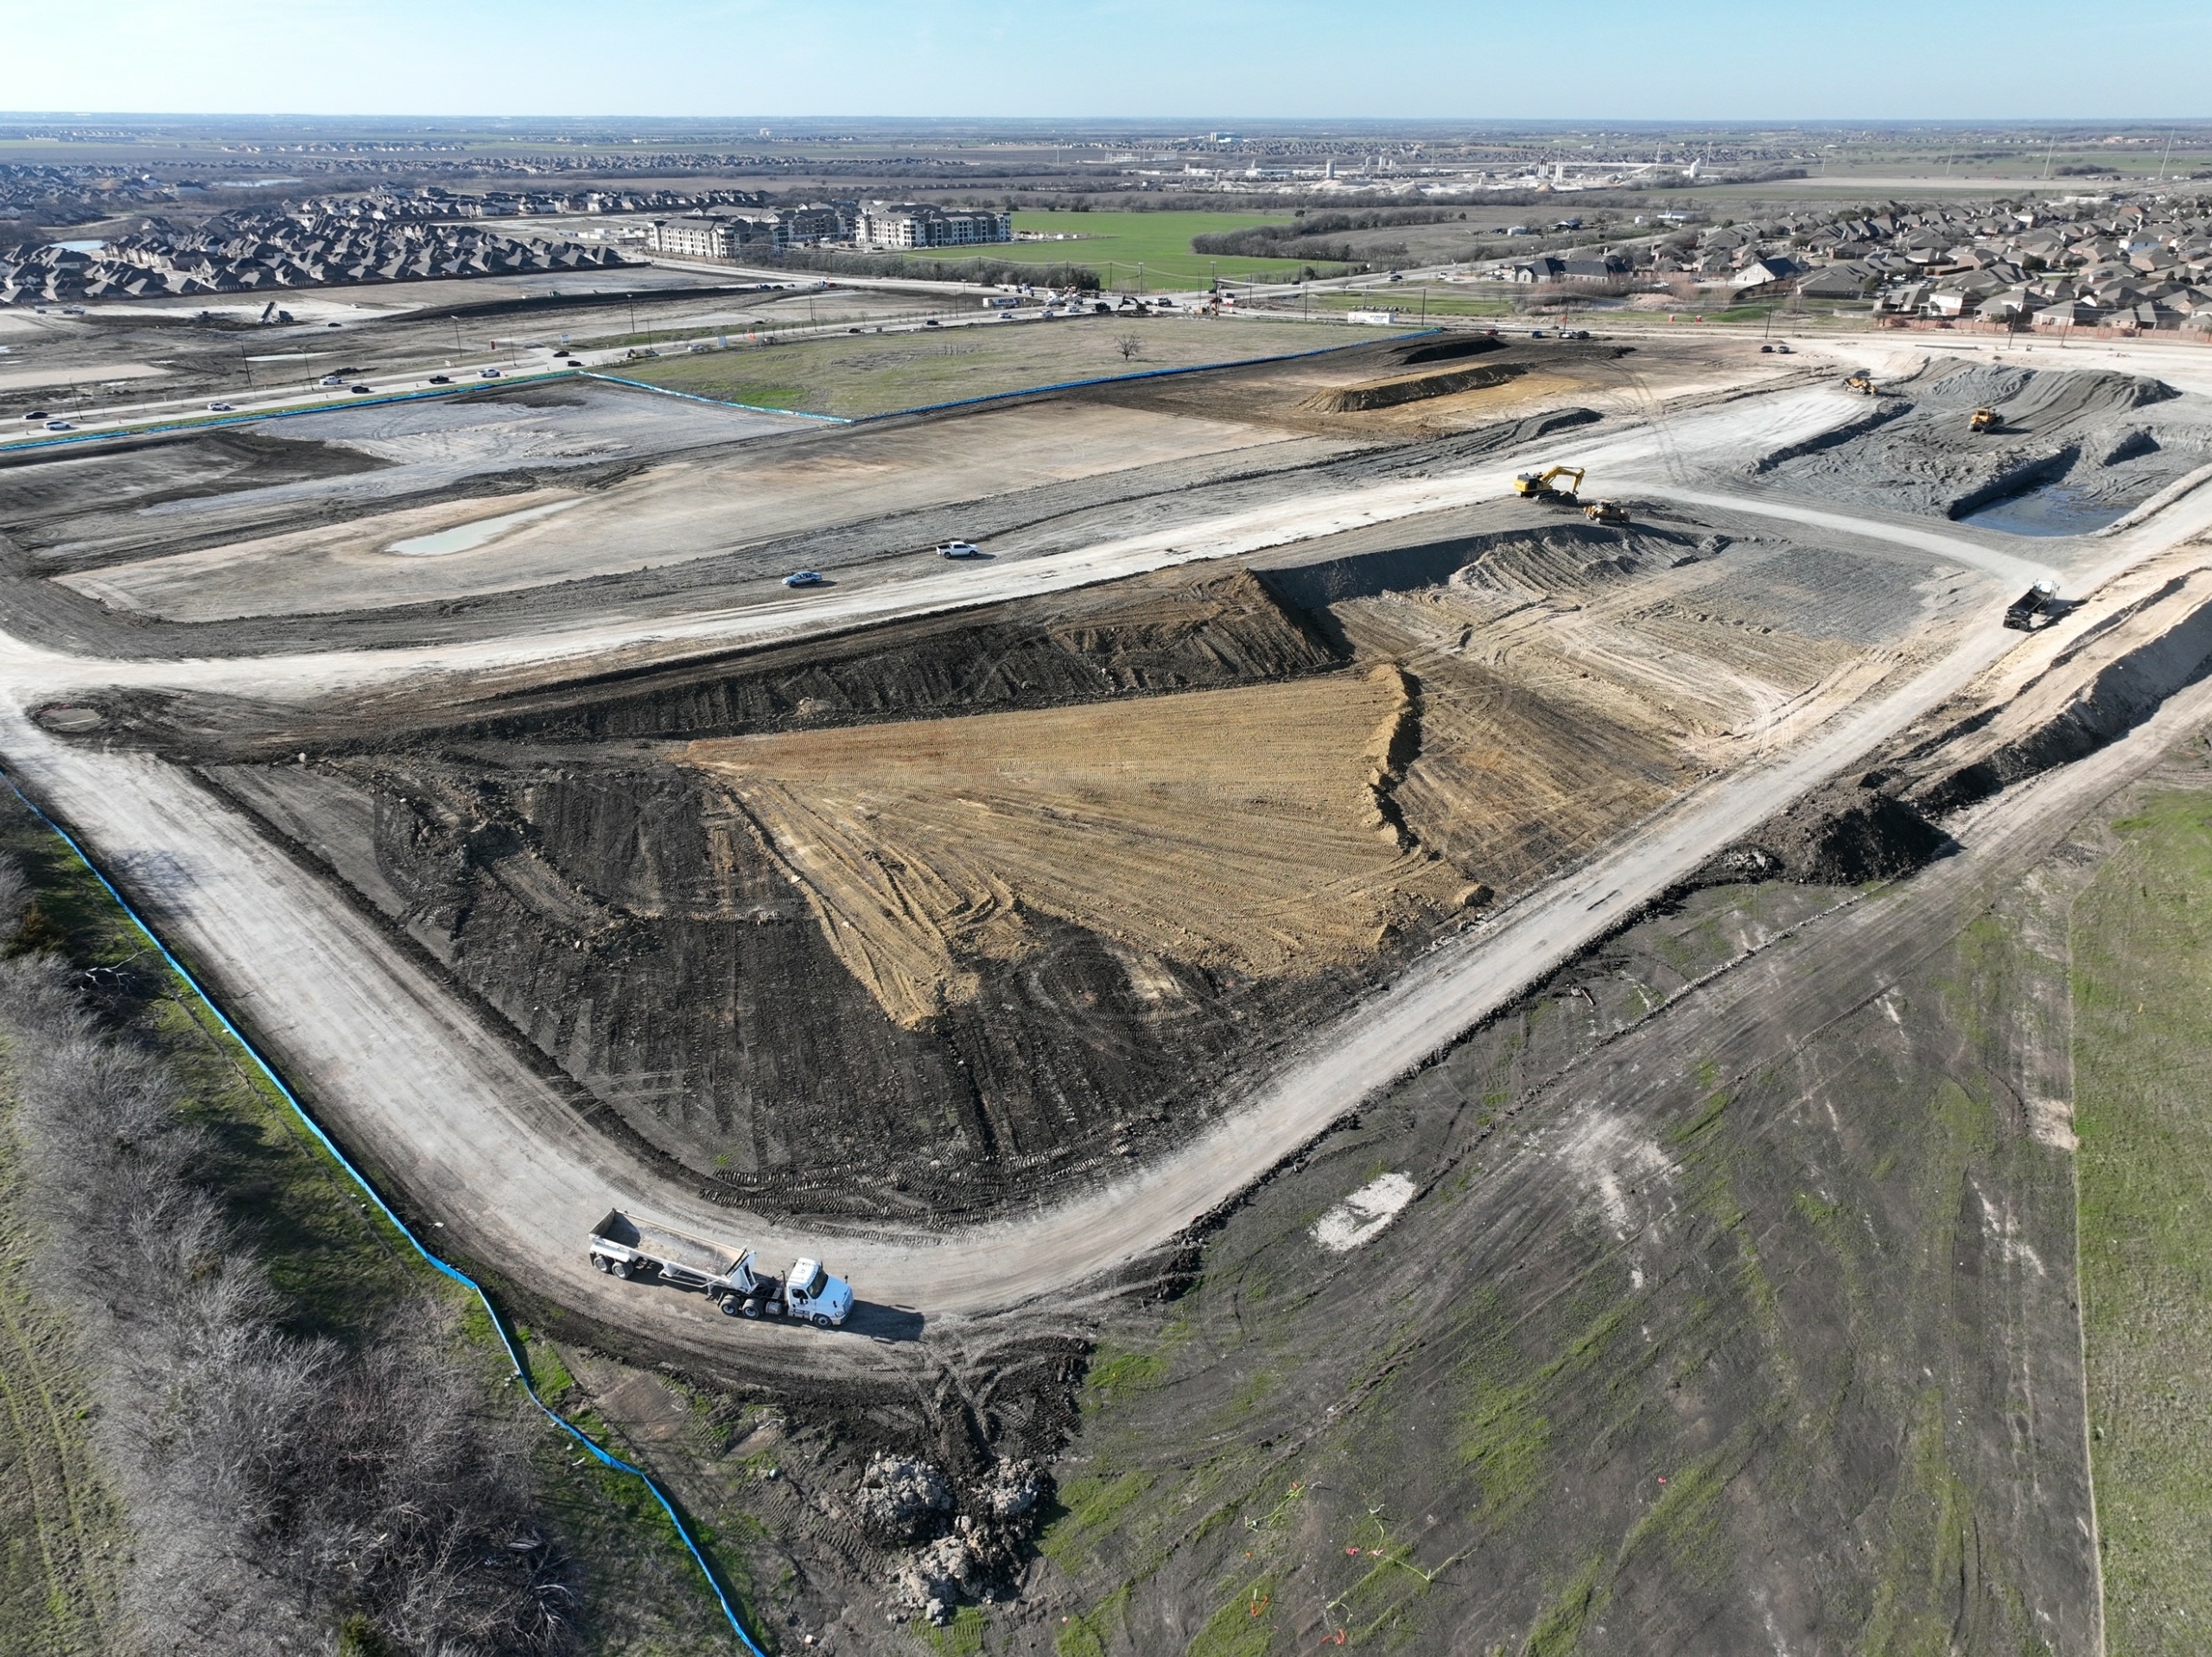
629	1247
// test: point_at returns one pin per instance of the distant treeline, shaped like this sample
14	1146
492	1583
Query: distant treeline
983	268
1307	237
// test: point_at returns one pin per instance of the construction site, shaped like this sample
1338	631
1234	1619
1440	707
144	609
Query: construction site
1422	988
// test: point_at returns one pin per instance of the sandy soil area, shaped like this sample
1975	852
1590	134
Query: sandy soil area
683	508
1240	829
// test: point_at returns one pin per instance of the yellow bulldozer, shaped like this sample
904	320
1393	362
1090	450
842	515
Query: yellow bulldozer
1545	487
1984	420
1605	512
1861	382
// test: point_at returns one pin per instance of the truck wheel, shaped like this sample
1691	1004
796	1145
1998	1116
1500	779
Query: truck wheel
750	1308
821	1320
731	1306
622	1268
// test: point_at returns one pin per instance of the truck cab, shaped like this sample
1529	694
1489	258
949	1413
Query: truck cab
810	1293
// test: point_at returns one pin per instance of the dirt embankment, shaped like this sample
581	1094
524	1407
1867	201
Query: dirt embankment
835	948
1413	388
2074	694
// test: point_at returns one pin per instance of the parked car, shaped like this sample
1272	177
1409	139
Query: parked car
805	578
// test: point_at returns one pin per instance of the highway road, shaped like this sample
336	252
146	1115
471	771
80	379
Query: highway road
481	1145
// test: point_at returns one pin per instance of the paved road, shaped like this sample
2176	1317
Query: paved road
481	1142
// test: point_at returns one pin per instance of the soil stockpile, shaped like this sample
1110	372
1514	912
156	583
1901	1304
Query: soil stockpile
2103	436
1231	831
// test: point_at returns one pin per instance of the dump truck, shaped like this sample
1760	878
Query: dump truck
1984	420
628	1246
2036	607
1861	381
1544	485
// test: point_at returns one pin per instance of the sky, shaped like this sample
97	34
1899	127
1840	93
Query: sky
1219	60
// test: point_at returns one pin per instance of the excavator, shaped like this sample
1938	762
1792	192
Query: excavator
1543	485
1984	420
1862	381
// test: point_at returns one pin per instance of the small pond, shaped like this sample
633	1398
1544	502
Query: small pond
2052	510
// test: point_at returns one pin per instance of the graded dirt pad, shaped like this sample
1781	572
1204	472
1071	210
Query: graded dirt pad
199	492
2105	437
614	901
875	374
1239	831
53	504
629	518
1574	676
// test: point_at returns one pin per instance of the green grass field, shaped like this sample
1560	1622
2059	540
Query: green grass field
876	374
2142	945
1140	251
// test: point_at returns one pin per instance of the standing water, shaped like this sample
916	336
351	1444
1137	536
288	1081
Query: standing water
2052	510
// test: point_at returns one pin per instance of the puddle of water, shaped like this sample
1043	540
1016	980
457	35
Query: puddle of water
82	247
466	538
2052	510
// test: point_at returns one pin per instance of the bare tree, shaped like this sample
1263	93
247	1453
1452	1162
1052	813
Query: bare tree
281	1490
1131	345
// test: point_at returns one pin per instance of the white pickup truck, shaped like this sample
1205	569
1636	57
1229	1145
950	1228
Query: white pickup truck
629	1247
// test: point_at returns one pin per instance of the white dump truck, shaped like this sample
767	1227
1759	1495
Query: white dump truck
629	1247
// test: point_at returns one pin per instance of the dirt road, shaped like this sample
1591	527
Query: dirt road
486	1146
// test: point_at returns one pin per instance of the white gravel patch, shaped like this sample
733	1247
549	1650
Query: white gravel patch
1364	1214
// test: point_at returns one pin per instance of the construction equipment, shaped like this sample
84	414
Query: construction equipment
1984	420
1543	485
627	1247
1861	381
2035	608
1605	512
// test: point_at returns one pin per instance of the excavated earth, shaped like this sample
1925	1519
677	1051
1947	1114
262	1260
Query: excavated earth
2107	438
926	917
1643	1320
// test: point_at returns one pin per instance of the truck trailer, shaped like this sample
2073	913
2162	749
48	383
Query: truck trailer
629	1246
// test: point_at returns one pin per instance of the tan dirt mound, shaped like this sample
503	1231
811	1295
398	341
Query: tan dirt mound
1246	830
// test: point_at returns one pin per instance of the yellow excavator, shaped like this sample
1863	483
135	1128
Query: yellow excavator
1984	420
1544	485
1861	382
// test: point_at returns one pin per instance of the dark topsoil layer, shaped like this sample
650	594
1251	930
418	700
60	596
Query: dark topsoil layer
622	915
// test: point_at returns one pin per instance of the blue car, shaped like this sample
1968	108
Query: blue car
803	578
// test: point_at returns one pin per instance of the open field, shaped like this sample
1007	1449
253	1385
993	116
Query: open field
2142	962
874	375
1116	244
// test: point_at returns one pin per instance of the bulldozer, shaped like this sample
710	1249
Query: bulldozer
1861	381
1984	420
1543	485
1605	512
